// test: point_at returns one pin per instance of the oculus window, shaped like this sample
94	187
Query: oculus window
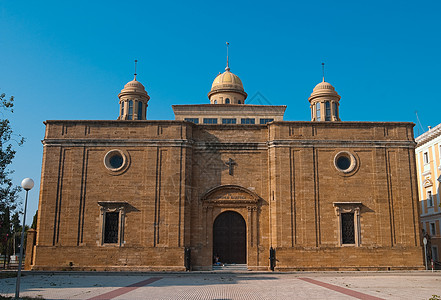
345	162
114	160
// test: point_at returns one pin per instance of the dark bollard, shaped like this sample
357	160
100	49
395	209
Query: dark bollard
272	258
187	259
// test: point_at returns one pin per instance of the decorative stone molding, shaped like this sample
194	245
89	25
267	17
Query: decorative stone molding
230	196
113	206
427	182
348	207
116	161
346	163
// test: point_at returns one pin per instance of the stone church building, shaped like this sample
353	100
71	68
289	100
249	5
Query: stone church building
227	179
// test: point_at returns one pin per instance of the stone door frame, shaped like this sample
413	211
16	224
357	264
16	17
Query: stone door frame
237	199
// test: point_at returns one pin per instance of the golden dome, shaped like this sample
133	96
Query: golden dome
227	82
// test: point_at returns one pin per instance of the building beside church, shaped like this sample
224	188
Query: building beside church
227	179
428	156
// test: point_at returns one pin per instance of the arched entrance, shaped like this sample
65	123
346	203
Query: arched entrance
230	238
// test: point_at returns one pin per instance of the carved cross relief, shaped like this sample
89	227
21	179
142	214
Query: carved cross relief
230	163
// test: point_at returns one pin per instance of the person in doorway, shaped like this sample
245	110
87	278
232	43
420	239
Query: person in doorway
216	261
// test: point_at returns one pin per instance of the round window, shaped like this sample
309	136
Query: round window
345	162
115	160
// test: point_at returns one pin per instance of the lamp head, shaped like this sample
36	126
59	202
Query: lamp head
27	184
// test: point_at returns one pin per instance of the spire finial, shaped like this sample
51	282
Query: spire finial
136	62
228	66
323	71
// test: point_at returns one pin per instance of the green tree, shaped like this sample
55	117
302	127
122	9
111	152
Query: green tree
8	191
34	220
15	222
5	234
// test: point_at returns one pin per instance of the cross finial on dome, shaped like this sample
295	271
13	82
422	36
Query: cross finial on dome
136	61
323	71
228	67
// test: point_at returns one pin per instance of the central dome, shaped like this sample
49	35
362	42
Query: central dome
227	80
227	88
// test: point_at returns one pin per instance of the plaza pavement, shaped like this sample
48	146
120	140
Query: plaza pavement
234	285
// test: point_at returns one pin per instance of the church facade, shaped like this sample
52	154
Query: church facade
227	180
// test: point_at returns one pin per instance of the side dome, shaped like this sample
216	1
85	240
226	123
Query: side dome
133	101
134	87
325	102
323	89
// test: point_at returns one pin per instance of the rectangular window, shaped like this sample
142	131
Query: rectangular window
111	227
247	121
429	199
210	121
432	229
193	120
139	110
335	110
228	121
264	121
426	157
130	114
435	255
347	228
317	111
328	111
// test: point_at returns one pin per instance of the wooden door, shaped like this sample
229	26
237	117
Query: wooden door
229	238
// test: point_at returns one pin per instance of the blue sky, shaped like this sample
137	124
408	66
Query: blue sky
69	60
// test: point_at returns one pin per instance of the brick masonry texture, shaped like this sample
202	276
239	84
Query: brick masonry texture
175	183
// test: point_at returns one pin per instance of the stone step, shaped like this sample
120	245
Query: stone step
230	267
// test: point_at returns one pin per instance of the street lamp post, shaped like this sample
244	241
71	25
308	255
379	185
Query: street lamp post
27	184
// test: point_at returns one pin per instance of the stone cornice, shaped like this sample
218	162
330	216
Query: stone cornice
188	143
112	142
341	143
429	135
